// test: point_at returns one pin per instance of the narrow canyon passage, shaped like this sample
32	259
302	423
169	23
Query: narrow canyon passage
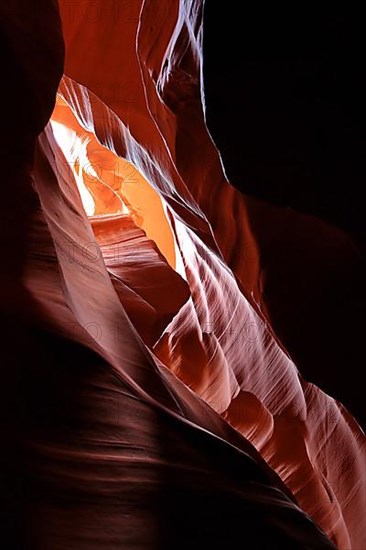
166	381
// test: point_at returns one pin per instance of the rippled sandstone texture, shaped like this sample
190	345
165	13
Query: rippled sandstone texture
146	401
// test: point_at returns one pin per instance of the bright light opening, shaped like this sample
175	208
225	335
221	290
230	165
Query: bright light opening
109	185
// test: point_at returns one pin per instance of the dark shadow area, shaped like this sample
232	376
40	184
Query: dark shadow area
285	103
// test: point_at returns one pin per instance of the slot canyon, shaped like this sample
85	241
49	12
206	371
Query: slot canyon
182	278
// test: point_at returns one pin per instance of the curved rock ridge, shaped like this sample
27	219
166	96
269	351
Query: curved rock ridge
152	404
